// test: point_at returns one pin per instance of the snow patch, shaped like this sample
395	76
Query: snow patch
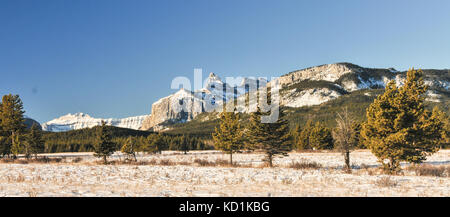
309	97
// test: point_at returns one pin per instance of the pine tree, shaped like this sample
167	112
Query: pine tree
398	126
229	135
320	137
303	141
34	143
295	135
12	123
130	147
357	136
445	119
344	136
16	146
104	146
272	138
184	144
155	144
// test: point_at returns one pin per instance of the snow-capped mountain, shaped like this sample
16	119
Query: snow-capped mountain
185	105
80	120
305	87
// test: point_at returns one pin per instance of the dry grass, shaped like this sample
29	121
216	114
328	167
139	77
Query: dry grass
303	164
430	170
77	160
44	159
217	162
386	182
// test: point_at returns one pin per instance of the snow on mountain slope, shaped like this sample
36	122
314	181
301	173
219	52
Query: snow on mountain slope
184	105
80	120
305	87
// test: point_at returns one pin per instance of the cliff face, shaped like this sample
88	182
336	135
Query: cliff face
179	107
185	105
306	87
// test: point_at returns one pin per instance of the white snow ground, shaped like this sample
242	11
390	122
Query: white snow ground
87	178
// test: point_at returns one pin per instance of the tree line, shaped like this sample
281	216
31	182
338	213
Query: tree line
16	138
398	128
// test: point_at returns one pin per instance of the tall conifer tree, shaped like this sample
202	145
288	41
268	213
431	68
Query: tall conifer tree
271	138
229	135
104	146
34	142
11	123
399	127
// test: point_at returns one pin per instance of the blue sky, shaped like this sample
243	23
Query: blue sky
112	58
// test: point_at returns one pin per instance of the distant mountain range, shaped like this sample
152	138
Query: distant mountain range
80	120
302	88
306	87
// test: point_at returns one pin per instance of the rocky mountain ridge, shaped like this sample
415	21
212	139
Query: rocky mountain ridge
306	87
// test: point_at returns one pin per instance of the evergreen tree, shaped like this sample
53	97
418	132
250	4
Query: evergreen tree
130	147
320	137
17	145
12	123
34	142
184	144
272	138
445	127
303	141
104	146
357	136
295	135
344	136
228	136
398	126
155	144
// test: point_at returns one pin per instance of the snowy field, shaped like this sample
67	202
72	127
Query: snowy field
85	177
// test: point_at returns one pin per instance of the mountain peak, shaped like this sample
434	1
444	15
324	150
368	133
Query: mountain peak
78	114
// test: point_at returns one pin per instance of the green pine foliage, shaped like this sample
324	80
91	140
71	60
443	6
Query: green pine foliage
320	137
399	127
303	141
16	144
271	138
314	136
155	144
104	146
130	147
12	124
34	143
229	135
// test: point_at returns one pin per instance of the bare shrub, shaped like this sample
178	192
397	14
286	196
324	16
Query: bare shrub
184	163
46	159
21	161
430	170
386	182
204	163
364	166
152	162
20	178
304	165
166	162
7	160
217	162
77	160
